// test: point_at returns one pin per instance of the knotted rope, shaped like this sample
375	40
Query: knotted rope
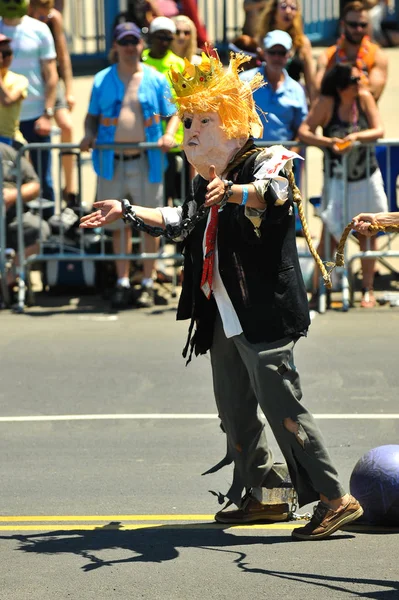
296	194
340	257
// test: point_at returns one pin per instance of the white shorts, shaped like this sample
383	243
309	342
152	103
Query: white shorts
130	181
366	195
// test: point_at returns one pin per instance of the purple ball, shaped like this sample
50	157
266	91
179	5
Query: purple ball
375	484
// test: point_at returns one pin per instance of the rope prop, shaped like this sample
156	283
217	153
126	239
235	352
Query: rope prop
339	256
296	194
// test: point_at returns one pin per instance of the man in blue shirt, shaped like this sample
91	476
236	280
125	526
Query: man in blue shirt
282	99
128	102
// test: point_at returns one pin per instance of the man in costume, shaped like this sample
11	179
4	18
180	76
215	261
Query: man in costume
244	293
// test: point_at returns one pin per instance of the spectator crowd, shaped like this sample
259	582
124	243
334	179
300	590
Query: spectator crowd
331	104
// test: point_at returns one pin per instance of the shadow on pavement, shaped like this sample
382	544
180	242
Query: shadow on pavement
159	544
149	544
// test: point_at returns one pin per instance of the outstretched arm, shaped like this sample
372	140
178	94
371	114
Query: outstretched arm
108	211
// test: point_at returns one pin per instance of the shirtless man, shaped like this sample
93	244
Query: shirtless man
355	46
117	115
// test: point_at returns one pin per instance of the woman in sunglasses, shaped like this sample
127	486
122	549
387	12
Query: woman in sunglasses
347	114
286	15
185	42
13	89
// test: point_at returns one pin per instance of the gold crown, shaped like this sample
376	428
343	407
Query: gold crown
196	77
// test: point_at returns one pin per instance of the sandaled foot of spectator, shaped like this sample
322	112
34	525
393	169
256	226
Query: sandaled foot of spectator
368	298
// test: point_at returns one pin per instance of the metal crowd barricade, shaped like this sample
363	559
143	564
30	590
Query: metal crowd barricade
390	173
78	251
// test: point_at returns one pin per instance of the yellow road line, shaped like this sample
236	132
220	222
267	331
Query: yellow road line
134	522
120	522
115	527
24	518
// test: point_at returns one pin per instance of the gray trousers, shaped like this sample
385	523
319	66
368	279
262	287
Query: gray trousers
247	375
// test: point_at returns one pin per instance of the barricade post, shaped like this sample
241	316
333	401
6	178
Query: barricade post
4	300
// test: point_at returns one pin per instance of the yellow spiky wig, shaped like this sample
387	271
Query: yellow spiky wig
207	87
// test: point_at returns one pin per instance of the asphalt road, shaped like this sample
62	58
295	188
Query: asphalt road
117	508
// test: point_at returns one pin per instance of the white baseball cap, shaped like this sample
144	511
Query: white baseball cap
162	24
277	38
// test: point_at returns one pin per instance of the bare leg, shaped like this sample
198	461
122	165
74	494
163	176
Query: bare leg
64	122
151	245
368	264
122	244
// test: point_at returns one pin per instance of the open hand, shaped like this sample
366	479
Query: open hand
107	212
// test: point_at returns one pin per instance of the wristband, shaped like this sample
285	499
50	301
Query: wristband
244	195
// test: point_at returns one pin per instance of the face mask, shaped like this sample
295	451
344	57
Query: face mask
205	143
13	9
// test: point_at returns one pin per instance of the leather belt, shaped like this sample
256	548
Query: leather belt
126	156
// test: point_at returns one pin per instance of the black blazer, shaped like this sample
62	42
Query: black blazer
262	275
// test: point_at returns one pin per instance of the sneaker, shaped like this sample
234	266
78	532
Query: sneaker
122	297
325	520
253	511
145	298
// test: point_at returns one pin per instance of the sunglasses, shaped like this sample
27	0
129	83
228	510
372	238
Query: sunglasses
285	6
5	53
277	52
183	31
354	79
128	42
164	38
356	25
